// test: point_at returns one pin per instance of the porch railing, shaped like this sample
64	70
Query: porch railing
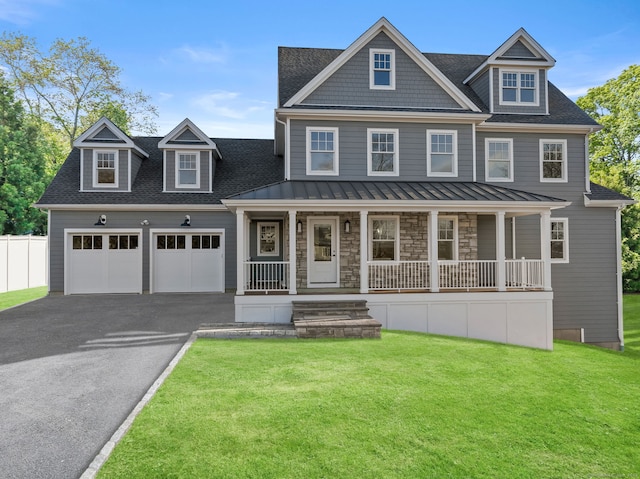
401	275
266	275
525	273
467	274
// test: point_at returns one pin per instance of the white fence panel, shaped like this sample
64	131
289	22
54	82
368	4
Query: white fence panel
23	262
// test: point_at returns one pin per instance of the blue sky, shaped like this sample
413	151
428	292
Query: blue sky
216	61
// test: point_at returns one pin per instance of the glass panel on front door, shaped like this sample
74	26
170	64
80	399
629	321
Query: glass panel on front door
322	242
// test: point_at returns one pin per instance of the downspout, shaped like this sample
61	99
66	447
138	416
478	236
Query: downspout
287	166
473	152
619	274
587	174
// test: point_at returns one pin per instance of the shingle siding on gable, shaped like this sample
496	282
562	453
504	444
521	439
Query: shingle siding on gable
349	86
481	86
106	134
522	108
88	171
518	50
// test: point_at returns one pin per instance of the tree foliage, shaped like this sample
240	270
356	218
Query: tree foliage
615	156
72	85
23	174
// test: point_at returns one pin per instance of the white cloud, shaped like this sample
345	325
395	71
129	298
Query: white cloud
228	104
202	55
22	12
164	96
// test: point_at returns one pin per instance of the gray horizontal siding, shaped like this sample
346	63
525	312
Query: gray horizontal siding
131	219
541	109
349	85
481	86
353	159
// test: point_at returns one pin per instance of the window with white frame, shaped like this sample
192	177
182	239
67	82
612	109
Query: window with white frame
553	160
322	151
106	168
187	169
268	238
519	87
382	74
382	152
384	237
559	240
448	238
442	153
499	159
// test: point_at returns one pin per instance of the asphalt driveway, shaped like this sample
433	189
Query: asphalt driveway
73	367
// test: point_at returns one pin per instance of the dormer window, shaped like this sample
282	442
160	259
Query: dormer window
518	88
188	171
382	74
105	168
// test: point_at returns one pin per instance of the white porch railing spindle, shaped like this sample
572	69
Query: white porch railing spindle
266	275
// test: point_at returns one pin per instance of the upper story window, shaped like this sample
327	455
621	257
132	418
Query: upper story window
448	238
382	152
553	161
442	153
560	240
384	238
187	169
499	159
322	151
382	73
105	168
519	88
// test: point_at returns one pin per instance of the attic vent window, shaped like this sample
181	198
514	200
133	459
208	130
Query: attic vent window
382	73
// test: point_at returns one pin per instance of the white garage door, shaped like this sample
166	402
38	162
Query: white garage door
103	262
188	262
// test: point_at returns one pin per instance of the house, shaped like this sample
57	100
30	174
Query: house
451	192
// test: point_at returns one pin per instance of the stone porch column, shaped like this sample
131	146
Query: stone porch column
364	255
240	251
500	252
545	247
293	277
434	270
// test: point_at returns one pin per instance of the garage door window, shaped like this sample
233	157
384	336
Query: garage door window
123	241
205	242
87	242
171	242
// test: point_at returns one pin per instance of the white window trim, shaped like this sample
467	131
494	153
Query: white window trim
565	161
259	225
565	221
392	74
177	167
336	167
455	236
116	162
396	142
454	168
487	178
396	246
536	89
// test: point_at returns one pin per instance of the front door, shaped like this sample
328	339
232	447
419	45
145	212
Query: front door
323	252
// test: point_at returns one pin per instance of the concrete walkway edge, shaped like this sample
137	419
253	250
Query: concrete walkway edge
107	449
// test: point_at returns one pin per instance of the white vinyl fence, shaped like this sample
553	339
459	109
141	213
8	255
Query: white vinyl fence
23	262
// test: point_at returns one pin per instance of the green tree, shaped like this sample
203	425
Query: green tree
71	84
615	156
23	174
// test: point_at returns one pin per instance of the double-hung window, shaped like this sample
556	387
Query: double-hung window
442	153
382	152
448	238
553	161
382	74
384	238
268	238
106	168
499	159
187	171
559	240
518	87
322	151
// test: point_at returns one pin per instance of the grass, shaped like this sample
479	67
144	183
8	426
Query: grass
632	324
14	298
408	406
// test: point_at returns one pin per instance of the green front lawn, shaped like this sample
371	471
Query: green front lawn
408	406
14	298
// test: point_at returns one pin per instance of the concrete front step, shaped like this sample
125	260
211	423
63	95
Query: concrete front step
338	328
246	330
310	309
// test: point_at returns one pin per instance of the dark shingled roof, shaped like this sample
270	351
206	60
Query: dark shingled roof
389	191
245	164
298	66
600	193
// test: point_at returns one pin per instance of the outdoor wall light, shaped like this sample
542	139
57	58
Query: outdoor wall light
187	221
347	226
299	226
144	223
102	220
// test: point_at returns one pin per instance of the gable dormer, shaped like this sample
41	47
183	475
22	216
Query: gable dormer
109	158
513	79
189	159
